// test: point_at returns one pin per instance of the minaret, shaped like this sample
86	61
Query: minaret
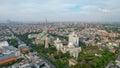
46	38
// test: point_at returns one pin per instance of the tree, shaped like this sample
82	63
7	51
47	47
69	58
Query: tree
13	42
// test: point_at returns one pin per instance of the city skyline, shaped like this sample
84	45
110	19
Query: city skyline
60	10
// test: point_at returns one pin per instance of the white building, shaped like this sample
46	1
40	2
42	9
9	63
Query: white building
4	43
74	39
73	46
10	50
74	51
58	44
32	36
72	62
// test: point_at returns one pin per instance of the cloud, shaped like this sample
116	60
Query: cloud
104	10
60	10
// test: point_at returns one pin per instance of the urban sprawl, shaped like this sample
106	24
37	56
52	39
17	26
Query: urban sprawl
59	45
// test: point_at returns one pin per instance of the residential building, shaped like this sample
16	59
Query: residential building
23	48
71	47
74	39
58	44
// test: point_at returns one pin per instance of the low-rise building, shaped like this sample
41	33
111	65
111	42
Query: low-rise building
23	48
30	36
72	62
9	50
4	43
5	58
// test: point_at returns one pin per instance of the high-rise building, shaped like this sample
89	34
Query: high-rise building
46	42
74	39
46	36
58	44
73	46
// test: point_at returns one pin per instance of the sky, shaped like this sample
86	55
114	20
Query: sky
60	10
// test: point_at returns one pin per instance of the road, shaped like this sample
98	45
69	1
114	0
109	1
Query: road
21	42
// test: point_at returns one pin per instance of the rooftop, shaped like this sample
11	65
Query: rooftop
6	56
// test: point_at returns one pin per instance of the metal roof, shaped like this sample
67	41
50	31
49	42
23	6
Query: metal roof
7	56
